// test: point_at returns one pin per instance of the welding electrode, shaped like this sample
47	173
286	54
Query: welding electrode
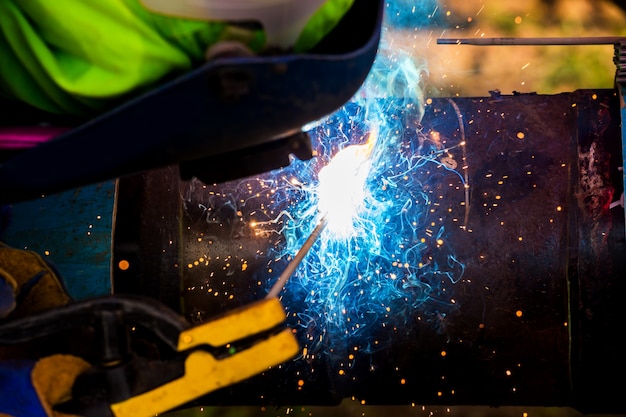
291	267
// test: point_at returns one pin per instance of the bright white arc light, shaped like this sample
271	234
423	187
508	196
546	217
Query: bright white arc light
342	186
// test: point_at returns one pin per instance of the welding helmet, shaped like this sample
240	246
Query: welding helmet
288	24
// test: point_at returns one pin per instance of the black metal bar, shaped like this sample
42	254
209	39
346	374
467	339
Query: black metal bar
593	40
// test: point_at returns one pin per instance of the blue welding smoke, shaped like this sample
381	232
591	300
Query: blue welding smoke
393	263
412	14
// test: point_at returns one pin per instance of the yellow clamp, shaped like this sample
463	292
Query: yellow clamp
205	373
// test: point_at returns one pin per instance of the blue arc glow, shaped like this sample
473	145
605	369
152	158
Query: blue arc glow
384	259
342	186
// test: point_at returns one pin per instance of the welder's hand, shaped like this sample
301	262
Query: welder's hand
8	286
34	284
32	389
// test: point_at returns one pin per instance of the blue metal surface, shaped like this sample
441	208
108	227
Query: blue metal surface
73	231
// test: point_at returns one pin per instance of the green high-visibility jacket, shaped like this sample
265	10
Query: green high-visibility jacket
81	56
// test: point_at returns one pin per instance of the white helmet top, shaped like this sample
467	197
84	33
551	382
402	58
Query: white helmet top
282	20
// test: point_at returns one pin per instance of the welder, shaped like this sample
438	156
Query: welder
80	58
83	58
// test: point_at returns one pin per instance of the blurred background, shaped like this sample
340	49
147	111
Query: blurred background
467	70
474	71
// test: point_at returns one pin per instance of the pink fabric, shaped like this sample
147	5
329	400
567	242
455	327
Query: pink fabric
16	138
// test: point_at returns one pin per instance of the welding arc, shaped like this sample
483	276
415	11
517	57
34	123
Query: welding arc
291	267
591	40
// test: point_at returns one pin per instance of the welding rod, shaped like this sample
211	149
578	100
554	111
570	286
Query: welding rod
591	40
291	267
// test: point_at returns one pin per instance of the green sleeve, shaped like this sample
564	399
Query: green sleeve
77	58
81	56
322	23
